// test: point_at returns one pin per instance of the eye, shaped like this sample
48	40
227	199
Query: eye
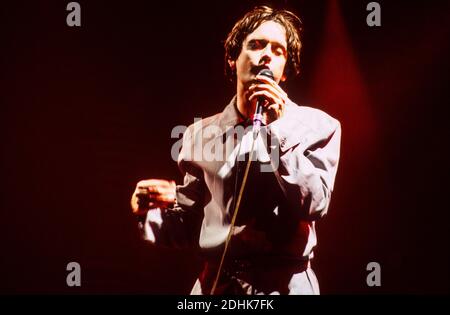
255	44
278	51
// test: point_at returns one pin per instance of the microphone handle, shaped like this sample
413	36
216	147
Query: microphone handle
257	117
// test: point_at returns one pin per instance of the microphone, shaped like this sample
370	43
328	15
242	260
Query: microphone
257	117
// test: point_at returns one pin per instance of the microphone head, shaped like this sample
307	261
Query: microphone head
266	73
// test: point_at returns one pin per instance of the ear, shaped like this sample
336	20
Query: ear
232	64
283	77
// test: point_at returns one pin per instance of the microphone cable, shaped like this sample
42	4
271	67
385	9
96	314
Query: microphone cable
236	209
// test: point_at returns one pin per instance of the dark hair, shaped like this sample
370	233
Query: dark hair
251	21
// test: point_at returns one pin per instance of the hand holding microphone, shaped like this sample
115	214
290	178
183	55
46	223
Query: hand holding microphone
270	99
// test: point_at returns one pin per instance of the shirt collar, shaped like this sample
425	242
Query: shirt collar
231	116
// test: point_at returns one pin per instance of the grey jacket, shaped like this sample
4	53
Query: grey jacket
279	207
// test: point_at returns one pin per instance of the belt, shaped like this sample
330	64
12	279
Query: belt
238	266
252	269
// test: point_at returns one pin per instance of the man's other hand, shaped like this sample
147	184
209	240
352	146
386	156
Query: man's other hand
153	193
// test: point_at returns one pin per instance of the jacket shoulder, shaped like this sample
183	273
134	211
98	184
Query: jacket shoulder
316	119
197	128
201	123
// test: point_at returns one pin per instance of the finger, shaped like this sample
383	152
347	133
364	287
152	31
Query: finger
163	190
145	191
154	190
154	182
159	204
140	191
166	201
169	197
161	197
267	96
275	107
271	82
269	88
161	194
142	196
270	97
275	89
157	196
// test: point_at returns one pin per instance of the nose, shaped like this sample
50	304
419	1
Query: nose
266	55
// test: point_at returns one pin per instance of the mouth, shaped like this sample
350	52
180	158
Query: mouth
256	69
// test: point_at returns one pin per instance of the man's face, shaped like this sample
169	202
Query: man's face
265	47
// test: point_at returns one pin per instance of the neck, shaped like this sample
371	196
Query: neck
242	103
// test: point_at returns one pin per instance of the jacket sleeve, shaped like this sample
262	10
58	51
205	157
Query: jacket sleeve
179	227
309	151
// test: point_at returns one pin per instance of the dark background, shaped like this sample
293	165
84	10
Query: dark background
87	112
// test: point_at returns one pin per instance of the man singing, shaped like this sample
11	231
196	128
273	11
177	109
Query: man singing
253	222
